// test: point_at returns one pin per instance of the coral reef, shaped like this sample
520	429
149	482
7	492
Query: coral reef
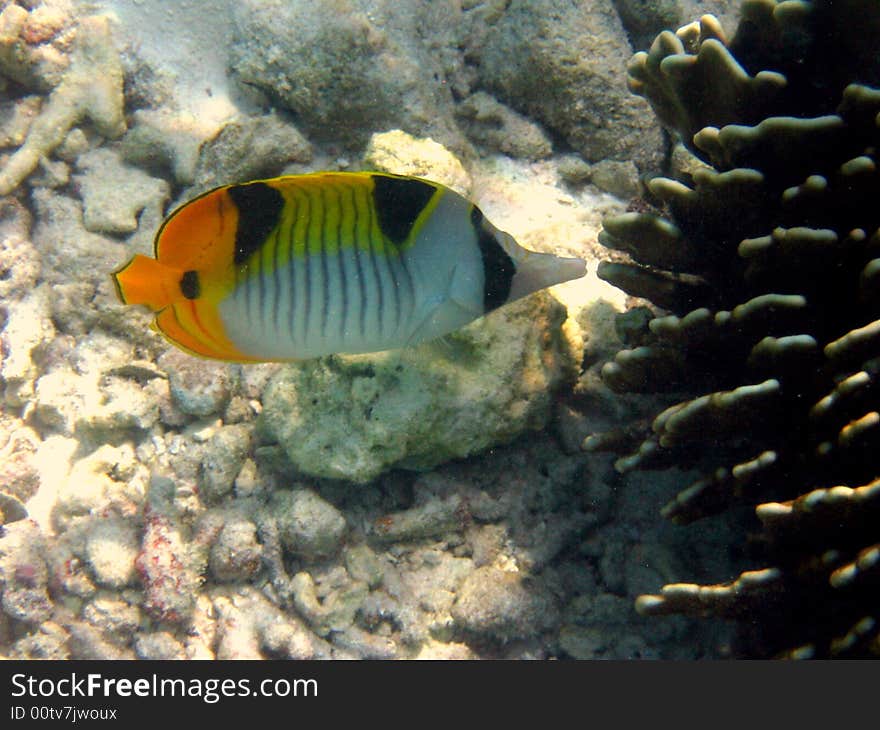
158	506
765	258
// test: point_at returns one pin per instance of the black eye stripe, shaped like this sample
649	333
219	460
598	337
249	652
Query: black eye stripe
190	286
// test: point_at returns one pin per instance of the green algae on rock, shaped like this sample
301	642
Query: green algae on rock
354	417
766	261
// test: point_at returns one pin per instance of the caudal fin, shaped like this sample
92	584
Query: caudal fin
143	280
536	271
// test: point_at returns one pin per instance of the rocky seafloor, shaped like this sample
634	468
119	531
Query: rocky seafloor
429	503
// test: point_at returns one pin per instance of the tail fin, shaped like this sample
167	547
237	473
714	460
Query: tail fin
536	271
143	280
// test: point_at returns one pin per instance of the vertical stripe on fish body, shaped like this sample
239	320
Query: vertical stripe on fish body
307	265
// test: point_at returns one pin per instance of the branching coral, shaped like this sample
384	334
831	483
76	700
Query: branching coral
34	45
768	262
90	88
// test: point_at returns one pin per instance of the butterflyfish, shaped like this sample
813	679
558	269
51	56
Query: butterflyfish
301	266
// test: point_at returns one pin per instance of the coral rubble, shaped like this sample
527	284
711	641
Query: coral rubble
89	88
766	262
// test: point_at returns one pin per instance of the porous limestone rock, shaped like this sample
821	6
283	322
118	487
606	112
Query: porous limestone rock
430	519
251	627
308	525
111	549
225	455
330	603
16	116
402	154
503	605
19	478
28	326
19	259
173	559
107	482
114	194
77	264
363	564
49	641
350	68
248	149
158	645
33	44
23	573
235	555
112	616
164	142
499	128
198	387
561	63
643	19
354	417
97	391
615	177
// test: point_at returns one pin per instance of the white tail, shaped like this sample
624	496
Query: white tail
536	271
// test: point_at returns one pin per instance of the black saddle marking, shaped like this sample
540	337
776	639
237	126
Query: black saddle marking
259	210
398	202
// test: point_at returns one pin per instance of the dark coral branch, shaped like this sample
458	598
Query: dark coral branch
769	264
